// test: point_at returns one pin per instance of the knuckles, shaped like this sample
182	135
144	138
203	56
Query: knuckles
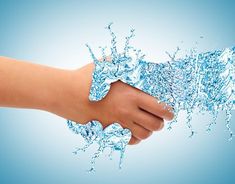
130	95
124	111
158	125
145	135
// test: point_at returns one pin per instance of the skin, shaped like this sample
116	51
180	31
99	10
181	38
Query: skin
65	93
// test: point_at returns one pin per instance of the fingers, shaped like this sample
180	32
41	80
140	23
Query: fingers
139	132
134	141
143	126
148	120
150	104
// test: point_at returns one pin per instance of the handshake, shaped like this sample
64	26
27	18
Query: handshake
135	96
122	114
128	106
199	81
123	99
127	114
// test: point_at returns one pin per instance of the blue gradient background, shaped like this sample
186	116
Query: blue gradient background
36	146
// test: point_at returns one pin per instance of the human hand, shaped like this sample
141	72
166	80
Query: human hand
128	106
133	109
65	93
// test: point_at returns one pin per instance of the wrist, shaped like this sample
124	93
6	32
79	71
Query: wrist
68	96
57	87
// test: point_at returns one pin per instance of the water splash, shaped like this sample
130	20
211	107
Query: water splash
114	137
203	81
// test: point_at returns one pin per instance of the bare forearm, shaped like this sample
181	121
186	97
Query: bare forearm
27	85
65	93
62	92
